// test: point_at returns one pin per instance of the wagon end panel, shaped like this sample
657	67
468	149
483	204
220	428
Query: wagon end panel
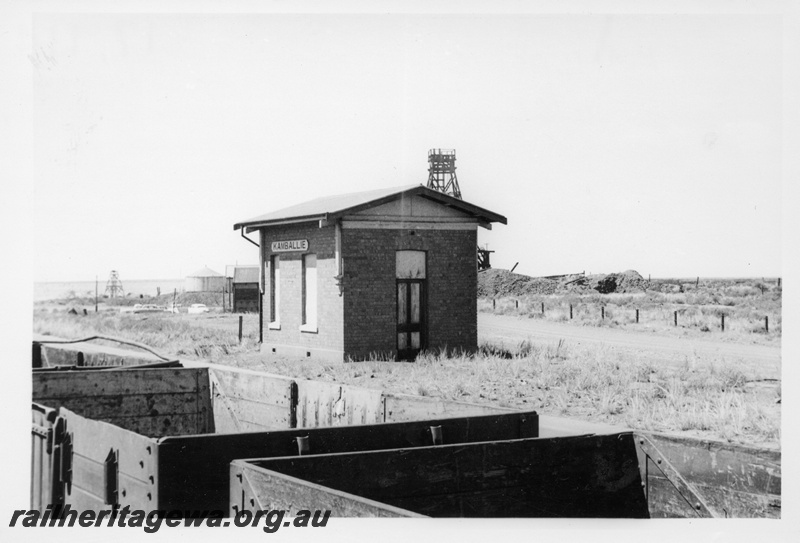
246	401
253	488
106	465
42	441
689	478
577	477
152	402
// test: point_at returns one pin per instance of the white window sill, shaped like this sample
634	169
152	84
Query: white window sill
274	326
310	328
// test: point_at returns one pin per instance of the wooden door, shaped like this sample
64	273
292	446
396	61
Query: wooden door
411	330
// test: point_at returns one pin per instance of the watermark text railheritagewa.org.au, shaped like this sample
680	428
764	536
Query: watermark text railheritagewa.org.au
268	520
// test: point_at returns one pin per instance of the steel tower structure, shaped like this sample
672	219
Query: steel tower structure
114	285
442	172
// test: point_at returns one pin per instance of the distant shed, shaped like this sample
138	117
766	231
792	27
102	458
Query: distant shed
245	289
205	280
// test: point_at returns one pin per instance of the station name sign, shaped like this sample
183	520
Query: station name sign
292	245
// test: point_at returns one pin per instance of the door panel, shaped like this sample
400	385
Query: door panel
402	305
411	330
402	341
415	302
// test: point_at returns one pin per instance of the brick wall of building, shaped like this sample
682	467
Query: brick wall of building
327	341
370	305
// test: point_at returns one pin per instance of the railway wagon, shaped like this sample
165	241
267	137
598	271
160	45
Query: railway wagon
51	353
589	476
163	438
123	432
621	474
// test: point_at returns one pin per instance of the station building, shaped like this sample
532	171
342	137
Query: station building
384	273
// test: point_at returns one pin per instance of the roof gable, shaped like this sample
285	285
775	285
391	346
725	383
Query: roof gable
334	207
412	207
246	274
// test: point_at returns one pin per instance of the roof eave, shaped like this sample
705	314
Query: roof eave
249	226
484	216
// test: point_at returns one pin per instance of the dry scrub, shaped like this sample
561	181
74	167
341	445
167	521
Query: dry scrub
596	384
699	314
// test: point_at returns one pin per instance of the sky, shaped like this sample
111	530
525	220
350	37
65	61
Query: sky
612	141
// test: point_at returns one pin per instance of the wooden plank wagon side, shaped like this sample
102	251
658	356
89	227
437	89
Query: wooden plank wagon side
182	458
579	476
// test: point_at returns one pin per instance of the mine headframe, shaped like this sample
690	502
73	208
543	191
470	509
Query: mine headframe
442	172
442	177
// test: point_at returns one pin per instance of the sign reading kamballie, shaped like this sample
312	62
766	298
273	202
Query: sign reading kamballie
291	245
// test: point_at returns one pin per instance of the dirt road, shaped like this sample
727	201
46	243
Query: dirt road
510	331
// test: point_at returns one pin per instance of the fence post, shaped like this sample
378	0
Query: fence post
494	304
542	308
766	324
676	318
603	312
570	311
637	316
516	304
723	322
240	328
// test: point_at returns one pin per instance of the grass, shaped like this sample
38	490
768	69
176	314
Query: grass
705	398
700	311
212	337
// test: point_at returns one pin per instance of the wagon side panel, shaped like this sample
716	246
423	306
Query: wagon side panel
254	488
585	476
107	465
88	355
321	404
404	407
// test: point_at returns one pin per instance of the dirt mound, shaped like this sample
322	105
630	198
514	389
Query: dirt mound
494	282
627	281
497	283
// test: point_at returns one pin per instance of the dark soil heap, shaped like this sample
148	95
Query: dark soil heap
496	283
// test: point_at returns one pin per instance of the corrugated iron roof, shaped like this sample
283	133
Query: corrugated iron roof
333	207
245	274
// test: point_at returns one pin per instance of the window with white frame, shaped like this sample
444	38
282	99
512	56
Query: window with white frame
309	293
274	290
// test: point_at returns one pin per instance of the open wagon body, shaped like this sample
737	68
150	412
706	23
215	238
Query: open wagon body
590	476
604	475
165	437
